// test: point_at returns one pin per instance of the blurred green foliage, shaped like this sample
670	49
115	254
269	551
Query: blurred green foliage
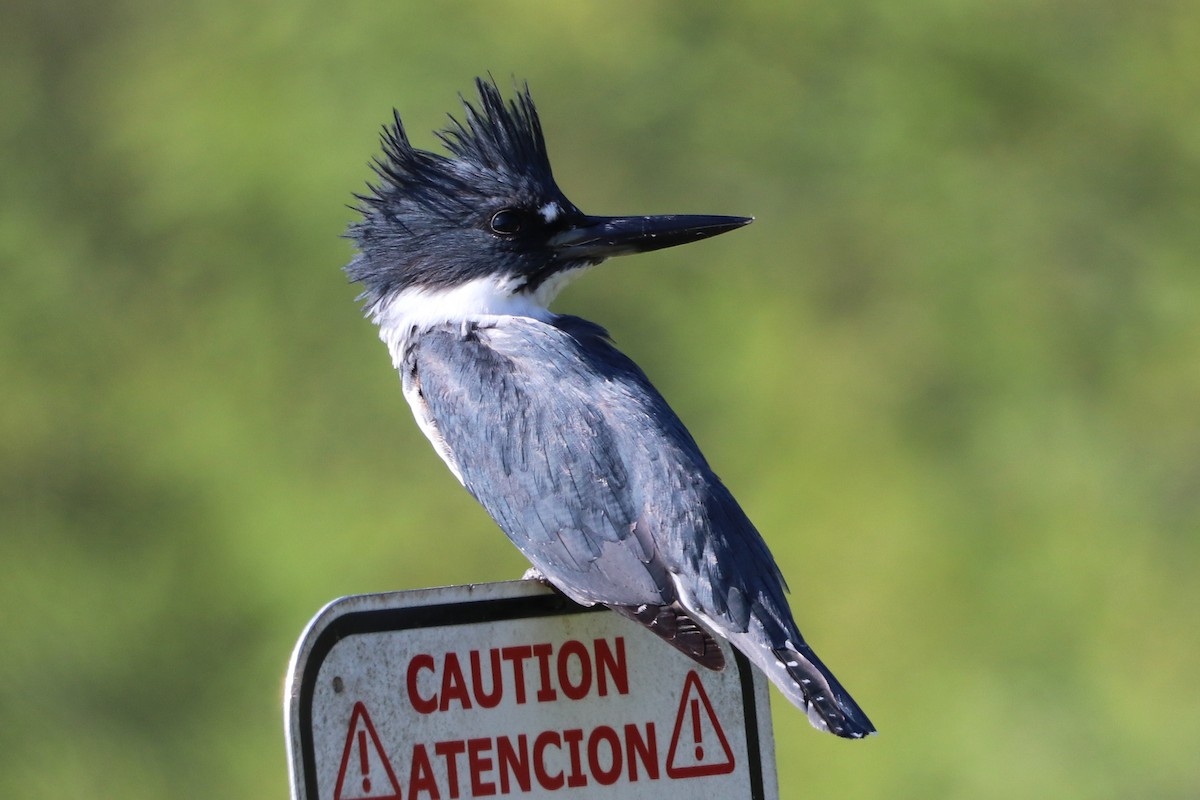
953	371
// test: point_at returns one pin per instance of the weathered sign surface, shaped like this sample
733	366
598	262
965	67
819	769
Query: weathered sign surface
509	689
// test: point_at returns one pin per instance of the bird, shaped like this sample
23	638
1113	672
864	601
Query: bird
558	435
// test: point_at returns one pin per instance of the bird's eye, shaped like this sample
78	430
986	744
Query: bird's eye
506	221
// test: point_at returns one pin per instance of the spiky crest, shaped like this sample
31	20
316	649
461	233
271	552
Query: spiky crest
500	137
498	145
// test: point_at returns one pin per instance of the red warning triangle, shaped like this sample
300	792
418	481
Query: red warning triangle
365	773
698	745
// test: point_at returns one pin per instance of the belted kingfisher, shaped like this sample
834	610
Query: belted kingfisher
560	436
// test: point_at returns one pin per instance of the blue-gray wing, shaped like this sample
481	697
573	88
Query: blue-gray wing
589	472
522	421
581	462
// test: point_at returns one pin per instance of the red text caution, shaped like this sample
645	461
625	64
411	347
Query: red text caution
571	758
526	673
489	764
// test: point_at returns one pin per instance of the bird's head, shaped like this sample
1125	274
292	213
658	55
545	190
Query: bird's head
489	221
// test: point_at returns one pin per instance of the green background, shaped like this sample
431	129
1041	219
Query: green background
952	371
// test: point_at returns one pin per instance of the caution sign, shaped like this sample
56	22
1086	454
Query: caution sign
511	690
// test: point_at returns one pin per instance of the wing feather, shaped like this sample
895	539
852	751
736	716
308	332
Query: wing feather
534	448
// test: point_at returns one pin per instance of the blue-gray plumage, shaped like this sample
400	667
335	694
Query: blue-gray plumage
559	436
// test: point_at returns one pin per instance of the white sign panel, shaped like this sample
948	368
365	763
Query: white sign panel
511	690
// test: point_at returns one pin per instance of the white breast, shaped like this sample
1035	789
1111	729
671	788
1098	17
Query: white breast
410	311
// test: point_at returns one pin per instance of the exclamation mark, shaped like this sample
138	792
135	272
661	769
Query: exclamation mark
696	734
365	762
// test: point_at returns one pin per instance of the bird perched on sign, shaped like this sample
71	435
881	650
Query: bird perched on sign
560	436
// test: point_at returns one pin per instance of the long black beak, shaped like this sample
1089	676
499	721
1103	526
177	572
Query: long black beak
601	237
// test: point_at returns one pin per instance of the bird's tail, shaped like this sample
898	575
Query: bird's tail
811	687
806	682
795	669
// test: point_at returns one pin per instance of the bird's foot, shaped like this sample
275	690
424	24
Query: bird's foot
535	574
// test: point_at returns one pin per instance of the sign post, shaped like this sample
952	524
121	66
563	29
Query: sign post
510	689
